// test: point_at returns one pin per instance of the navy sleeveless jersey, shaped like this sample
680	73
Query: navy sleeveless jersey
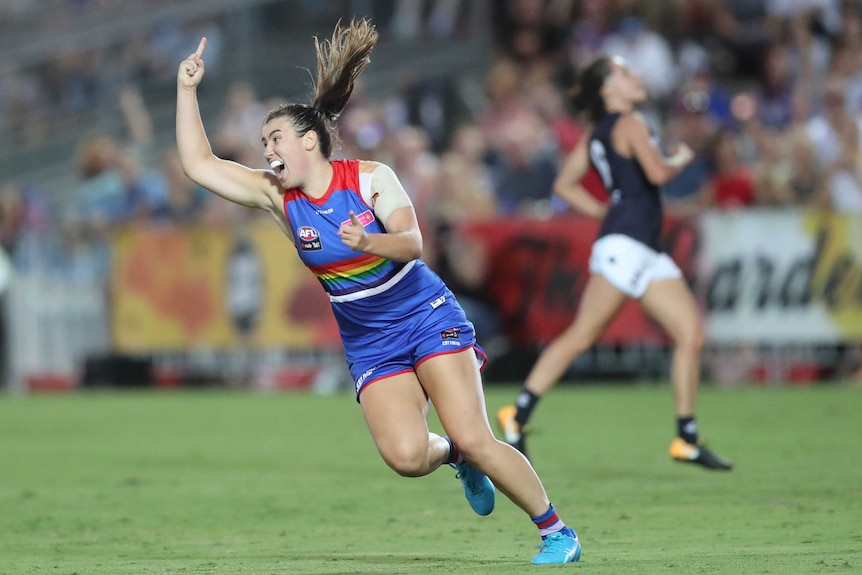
635	204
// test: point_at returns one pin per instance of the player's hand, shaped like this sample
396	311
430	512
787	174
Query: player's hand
191	70
353	234
683	154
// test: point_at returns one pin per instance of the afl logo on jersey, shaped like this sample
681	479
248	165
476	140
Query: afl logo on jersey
309	239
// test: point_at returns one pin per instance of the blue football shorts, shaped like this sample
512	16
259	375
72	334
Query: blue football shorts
410	347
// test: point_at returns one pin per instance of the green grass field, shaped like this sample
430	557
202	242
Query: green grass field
217	482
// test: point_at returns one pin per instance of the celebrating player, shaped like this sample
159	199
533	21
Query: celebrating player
406	340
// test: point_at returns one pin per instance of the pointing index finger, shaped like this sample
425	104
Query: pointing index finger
203	44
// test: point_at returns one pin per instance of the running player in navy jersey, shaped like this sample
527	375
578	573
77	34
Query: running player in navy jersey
406	340
626	260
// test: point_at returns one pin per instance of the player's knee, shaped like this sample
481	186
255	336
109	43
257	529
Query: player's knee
690	340
406	459
474	447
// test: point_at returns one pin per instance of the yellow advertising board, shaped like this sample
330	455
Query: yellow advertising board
177	288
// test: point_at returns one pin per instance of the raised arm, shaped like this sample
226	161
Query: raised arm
230	180
632	138
568	186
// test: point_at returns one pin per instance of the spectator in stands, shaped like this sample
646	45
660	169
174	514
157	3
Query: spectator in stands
73	77
772	174
117	186
777	85
416	165
589	32
102	198
524	176
12	217
550	103
184	202
806	179
522	149
732	183
648	54
530	33
844	174
734	30
431	104
693	124
23	105
506	102
365	126
409	21
463	192
464	196
786	172
469	143
238	121
846	59
825	128
117	183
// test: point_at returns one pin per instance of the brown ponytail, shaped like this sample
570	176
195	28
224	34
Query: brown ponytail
340	60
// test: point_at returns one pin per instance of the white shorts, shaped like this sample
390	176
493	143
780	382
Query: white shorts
629	265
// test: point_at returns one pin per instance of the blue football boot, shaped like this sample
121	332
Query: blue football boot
560	547
477	487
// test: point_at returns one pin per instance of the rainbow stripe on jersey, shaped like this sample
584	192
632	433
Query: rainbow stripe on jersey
346	275
359	277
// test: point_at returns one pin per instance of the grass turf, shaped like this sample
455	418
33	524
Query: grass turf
218	482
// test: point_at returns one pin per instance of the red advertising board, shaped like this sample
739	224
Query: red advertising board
537	270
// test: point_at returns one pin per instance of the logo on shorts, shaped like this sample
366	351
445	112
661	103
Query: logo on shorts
451	333
637	276
362	378
309	239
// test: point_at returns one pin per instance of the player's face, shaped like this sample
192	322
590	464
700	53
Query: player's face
285	152
627	85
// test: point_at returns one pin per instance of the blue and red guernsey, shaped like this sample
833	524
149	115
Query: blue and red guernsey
367	292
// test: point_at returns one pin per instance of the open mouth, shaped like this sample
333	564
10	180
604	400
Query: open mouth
277	167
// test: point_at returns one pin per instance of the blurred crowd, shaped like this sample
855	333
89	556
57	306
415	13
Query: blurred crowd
768	94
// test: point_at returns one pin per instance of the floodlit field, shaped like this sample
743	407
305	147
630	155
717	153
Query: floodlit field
216	482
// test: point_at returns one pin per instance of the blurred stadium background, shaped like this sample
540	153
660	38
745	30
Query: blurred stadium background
116	271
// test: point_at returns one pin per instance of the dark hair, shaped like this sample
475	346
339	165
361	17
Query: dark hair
586	94
340	60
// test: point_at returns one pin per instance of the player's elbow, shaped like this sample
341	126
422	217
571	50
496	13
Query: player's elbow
407	246
194	168
563	189
414	252
660	175
413	248
558	189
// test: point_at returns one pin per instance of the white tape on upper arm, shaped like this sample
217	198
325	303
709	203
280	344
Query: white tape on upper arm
386	193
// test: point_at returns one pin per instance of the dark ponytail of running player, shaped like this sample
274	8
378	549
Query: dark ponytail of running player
586	94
